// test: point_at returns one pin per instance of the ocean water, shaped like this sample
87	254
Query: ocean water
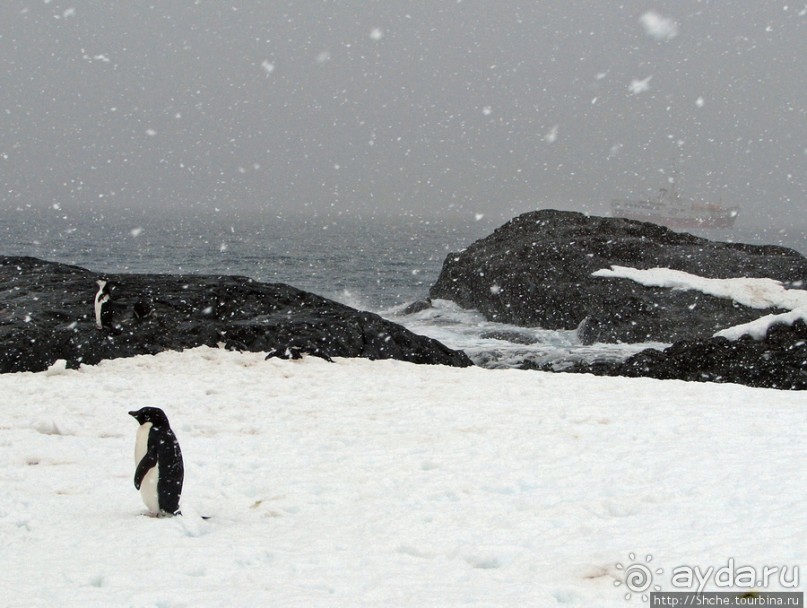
369	263
375	264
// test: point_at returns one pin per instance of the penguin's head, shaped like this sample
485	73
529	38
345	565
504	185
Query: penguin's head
150	414
105	287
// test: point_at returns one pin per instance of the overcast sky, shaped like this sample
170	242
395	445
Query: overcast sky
451	107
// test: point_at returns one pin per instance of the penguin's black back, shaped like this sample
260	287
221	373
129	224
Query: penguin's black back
107	314
171	467
142	310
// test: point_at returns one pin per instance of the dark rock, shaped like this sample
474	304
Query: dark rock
536	271
46	313
515	337
778	361
417	306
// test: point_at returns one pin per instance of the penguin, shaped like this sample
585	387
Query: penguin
142	310
103	305
159	471
296	353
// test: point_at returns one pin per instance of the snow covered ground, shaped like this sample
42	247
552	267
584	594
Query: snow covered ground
382	483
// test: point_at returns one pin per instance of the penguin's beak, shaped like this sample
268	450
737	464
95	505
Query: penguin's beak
133	414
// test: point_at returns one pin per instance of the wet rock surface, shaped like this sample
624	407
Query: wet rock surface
536	269
778	361
47	313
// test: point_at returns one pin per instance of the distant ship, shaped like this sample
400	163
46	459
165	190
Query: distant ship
670	209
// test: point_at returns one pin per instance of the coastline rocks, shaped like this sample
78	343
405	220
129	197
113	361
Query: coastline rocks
536	271
417	306
46	314
778	361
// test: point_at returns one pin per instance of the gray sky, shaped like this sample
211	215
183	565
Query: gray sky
449	107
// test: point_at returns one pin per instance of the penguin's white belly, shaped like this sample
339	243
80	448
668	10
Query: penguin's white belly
148	487
98	312
100	300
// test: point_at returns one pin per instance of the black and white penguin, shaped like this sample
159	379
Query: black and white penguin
297	352
142	310
159	471
103	305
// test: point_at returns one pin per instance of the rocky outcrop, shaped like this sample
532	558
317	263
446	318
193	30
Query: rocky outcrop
46	313
777	361
536	270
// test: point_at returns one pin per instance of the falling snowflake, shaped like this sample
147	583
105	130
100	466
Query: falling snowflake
639	86
658	27
615	149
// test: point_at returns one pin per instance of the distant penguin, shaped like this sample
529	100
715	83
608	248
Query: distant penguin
296	353
159	471
103	305
142	310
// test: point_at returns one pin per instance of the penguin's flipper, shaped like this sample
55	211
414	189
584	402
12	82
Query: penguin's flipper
148	462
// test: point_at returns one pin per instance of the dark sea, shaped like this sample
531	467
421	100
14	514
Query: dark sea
375	264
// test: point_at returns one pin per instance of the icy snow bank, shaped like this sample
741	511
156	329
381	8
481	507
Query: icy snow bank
751	292
759	329
754	293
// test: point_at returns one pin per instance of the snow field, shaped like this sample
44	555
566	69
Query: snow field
383	483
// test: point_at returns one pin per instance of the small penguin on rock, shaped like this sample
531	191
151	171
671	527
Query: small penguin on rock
142	310
103	305
159	471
